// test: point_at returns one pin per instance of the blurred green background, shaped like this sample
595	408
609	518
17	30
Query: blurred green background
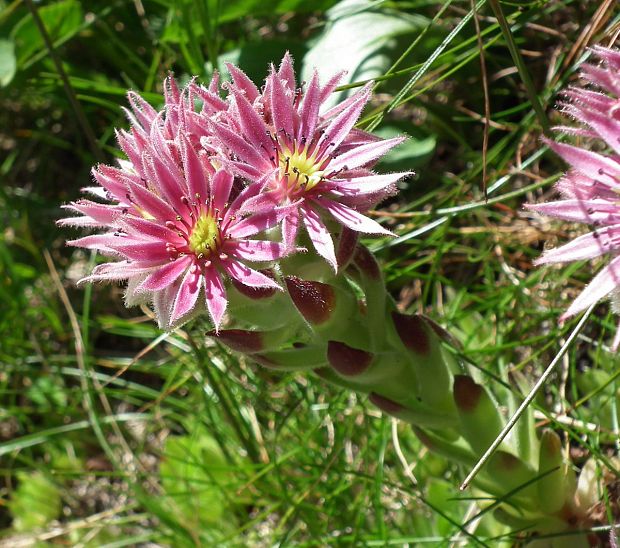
113	433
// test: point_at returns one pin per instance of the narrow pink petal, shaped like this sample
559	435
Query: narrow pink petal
221	185
149	229
242	82
329	88
281	106
102	242
248	276
601	285
588	246
259	222
209	98
166	274
340	126
187	296
169	185
149	201
144	112
369	184
215	295
290	226
262	201
601	77
244	150
286	72
110	178
195	176
162	304
99	214
363	154
256	250
253	125
130	147
320	236
121	270
310	109
143	250
580	211
596	166
353	219
172	95
602	123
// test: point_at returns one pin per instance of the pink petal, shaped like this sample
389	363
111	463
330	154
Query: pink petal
209	98
143	250
166	274
99	214
221	185
310	109
580	211
195	176
144	112
340	126
329	88
602	123
290	226
256	250
187	296
596	166
121	270
320	236
603	283
168	184
588	246
353	219
259	222
286	73
145	228
149	201
242	82
368	184
281	106
244	150
215	295
253	125
162	304
101	242
248	276
363	154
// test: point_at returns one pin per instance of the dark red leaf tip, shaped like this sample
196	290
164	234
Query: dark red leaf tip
367	263
467	393
346	360
255	293
240	340
314	300
412	332
385	404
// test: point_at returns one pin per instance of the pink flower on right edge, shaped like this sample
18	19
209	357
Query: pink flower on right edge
299	152
591	188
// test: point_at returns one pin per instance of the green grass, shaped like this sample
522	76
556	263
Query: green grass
133	436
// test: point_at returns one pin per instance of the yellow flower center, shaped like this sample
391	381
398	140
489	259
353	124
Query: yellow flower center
301	171
205	237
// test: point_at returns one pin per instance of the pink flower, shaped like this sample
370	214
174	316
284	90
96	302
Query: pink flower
591	189
283	139
178	226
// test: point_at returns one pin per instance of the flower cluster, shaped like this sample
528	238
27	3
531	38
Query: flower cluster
591	188
213	183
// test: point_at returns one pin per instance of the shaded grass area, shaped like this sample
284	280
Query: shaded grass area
113	433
